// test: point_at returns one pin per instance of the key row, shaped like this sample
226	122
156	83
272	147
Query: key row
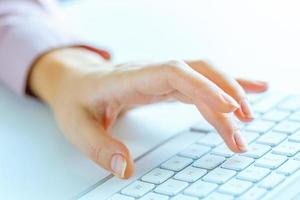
202	188
234	186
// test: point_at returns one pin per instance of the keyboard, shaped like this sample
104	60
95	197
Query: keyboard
207	169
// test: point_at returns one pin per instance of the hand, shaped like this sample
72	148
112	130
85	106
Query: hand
87	94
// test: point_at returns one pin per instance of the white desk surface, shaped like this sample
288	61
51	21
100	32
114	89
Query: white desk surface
258	39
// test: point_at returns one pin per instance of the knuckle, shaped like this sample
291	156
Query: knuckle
202	63
220	120
175	66
238	93
121	147
176	62
226	123
95	152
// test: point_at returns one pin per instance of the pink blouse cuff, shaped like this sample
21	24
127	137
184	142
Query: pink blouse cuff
27	31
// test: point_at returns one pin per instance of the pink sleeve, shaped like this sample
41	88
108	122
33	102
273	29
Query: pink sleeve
28	28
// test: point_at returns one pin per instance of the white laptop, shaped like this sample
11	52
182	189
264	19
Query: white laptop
195	164
178	156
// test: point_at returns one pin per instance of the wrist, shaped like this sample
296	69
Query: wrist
54	73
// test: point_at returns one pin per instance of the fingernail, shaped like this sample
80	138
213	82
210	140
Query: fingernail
228	99
246	109
262	83
240	142
118	165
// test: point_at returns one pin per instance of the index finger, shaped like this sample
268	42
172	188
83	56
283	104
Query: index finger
178	76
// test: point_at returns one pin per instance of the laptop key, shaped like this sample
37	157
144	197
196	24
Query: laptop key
209	161
270	161
276	115
176	163
253	98
257	150
291	104
212	140
200	189
171	187
219	175
222	150
157	176
260	126
256	115
195	151
120	197
254	193
249	136
297	156
295	116
202	127
235	187
287	127
154	196
295	137
190	174
271	181
137	189
183	197
253	173
219	196
289	167
268	102
287	148
237	163
271	138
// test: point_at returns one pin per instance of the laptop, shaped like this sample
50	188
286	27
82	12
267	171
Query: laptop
187	162
196	164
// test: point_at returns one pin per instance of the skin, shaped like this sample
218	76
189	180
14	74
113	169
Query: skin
87	94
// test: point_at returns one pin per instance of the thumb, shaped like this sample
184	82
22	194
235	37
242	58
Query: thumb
113	155
105	150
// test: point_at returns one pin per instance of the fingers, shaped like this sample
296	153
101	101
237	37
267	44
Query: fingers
253	86
102	148
226	126
178	76
229	85
197	87
180	97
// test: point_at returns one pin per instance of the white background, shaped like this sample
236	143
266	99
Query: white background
258	39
